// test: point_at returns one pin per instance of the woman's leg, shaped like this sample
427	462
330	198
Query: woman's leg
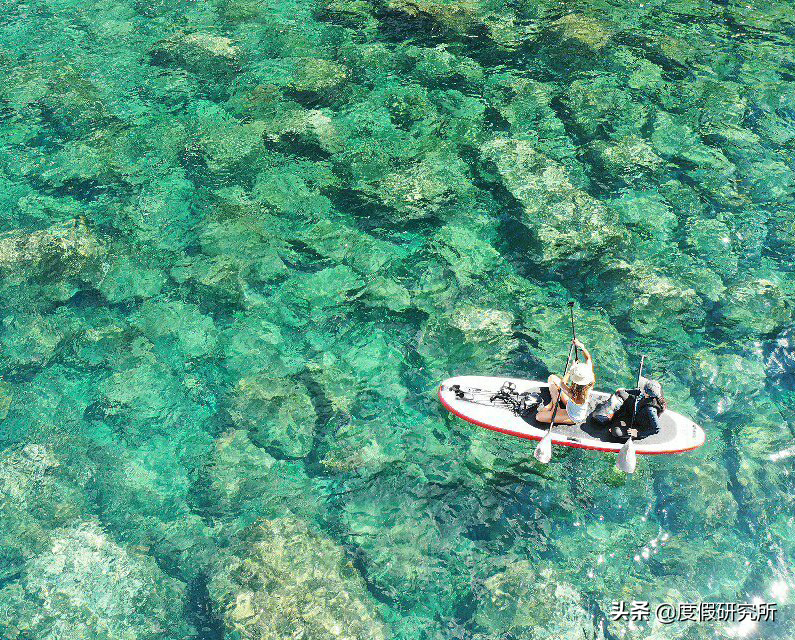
554	390
562	416
546	413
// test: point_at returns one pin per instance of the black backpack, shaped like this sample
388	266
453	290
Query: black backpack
604	411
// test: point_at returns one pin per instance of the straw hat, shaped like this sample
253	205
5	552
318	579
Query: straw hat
581	374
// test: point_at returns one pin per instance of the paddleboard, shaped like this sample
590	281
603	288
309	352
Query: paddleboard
470	398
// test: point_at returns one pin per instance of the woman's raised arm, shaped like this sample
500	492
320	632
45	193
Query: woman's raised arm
585	351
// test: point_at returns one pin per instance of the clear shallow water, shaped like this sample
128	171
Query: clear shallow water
244	241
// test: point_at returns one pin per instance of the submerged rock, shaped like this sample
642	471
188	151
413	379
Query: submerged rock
780	363
628	159
713	570
470	256
193	333
199	52
519	99
476	322
603	105
145	496
709	506
40	492
458	15
147	398
531	602
672	137
567	222
385	293
285	581
583	29
364	369
363	447
469	338
726	378
425	188
215	279
711	241
304	216
348	245
254	343
294	190
6	398
313	299
162	216
507	31
62	252
652	297
305	126
228	145
129	278
277	412
88	587
357	14
647	210
214	45
241	482
33	340
755	306
316	75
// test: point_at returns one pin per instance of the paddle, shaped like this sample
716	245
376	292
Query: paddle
543	452
626	457
573	333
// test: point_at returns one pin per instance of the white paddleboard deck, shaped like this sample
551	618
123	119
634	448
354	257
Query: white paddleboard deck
677	432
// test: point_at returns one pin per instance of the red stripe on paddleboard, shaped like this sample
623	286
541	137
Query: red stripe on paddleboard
528	436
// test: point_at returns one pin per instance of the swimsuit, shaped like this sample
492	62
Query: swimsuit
577	412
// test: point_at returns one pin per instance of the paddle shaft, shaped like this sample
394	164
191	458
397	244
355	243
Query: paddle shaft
573	332
565	371
544	448
640	372
637	398
568	362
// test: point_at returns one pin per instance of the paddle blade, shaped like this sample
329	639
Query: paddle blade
543	452
626	457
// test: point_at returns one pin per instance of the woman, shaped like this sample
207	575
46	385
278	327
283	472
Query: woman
573	392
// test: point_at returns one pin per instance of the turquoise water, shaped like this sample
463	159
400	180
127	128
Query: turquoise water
243	241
